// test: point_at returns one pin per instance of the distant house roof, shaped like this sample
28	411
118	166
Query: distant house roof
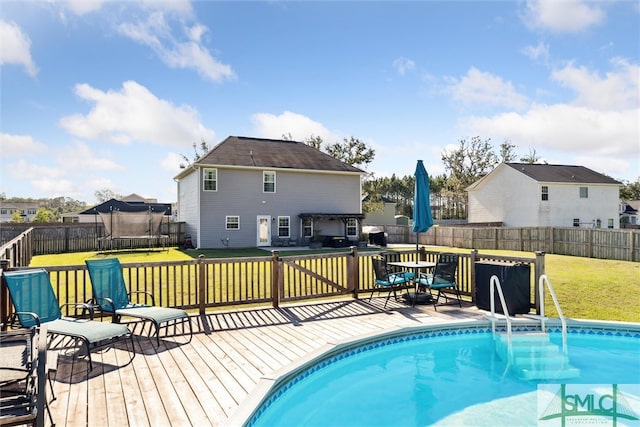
243	151
121	206
562	173
383	199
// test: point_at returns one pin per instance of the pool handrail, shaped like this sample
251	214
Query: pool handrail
542	281
495	283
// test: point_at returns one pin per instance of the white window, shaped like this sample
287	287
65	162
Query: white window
545	192
232	222
31	211
283	226
598	223
610	223
269	181
352	227
307	227
584	192
210	182
576	222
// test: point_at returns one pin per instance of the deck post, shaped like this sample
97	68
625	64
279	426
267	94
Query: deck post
539	269
472	273
276	265
353	272
202	284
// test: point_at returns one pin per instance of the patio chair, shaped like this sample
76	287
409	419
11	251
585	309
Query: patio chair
110	294
387	280
36	304
22	377
443	280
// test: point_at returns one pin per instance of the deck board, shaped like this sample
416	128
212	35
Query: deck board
203	381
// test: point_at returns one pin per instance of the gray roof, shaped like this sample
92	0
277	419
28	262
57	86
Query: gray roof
562	173
272	153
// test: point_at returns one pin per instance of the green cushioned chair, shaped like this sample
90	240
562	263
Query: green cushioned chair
110	293
387	280
442	280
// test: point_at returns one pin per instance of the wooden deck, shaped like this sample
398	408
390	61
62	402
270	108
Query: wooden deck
202	382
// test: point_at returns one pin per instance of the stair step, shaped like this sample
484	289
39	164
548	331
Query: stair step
545	362
549	374
524	337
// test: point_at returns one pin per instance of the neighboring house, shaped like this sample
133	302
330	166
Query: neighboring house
385	216
629	212
248	192
26	210
540	195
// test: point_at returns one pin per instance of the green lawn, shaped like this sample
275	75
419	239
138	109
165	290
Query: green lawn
587	288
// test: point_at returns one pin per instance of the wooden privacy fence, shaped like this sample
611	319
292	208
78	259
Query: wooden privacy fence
207	283
623	245
58	238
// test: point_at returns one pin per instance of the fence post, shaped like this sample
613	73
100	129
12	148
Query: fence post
275	278
422	253
538	271
472	273
202	284
353	272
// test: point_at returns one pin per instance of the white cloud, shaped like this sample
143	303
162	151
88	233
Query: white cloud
19	145
479	87
618	90
402	65
567	128
300	127
78	156
135	114
157	34
16	47
172	162
539	52
563	15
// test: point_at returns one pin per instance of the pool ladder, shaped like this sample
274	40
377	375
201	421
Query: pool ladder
532	354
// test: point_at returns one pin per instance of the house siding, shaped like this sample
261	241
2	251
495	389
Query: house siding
513	198
188	205
240	193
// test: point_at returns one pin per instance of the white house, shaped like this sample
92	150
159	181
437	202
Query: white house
254	192
540	195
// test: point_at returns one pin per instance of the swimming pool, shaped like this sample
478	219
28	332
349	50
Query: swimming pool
439	375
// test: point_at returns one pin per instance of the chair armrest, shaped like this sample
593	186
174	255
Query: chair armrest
84	306
15	320
146	294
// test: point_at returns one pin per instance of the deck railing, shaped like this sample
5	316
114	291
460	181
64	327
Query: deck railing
209	283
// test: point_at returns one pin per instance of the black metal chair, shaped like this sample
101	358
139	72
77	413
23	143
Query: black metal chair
22	377
386	280
443	280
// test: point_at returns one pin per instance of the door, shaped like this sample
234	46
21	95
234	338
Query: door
264	230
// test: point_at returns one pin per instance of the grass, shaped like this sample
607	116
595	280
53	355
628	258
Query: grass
587	288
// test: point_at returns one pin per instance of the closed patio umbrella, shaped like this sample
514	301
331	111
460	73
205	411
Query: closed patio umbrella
422	218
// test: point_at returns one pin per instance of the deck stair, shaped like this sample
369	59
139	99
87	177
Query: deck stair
532	355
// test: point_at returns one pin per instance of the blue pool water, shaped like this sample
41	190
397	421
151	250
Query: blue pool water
454	379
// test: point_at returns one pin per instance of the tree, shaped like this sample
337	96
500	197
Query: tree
352	151
198	152
43	215
630	190
16	216
507	151
106	194
465	165
530	158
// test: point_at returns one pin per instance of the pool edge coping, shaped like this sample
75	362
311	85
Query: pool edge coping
270	382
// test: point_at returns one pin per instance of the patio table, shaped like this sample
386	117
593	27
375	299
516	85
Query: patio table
416	267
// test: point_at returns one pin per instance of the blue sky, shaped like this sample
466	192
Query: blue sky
109	94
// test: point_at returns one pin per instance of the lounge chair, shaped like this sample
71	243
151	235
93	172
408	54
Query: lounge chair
443	280
36	304
110	294
386	280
